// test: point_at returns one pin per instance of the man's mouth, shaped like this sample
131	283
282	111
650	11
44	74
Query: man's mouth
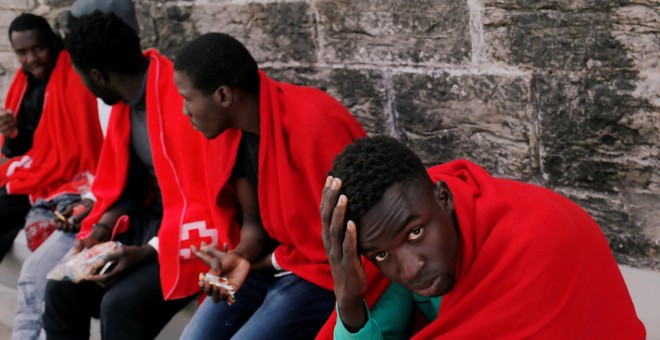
426	288
37	68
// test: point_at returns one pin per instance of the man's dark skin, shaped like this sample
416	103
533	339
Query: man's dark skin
212	114
37	57
111	88
410	236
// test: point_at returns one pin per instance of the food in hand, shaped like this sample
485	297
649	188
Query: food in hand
219	282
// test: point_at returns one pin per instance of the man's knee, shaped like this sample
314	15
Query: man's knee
116	304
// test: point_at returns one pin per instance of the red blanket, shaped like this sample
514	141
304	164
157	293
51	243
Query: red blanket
178	157
301	131
67	141
532	264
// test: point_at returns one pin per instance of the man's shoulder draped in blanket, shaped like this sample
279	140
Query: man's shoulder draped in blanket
301	131
67	141
532	264
177	155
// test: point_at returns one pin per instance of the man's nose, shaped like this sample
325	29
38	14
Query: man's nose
410	263
30	57
186	111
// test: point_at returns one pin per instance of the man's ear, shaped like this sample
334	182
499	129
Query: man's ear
223	96
444	196
99	77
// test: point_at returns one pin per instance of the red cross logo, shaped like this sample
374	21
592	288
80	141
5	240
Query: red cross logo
193	234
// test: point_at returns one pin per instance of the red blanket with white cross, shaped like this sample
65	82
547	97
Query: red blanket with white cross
178	161
67	141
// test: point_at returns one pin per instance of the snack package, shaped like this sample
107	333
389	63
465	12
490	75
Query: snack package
79	266
220	282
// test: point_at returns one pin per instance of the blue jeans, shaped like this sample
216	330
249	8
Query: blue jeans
32	284
266	307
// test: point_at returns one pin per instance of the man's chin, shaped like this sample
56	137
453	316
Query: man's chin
110	101
439	287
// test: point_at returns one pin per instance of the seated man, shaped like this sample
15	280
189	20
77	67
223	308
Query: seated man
481	257
147	189
43	159
32	279
272	146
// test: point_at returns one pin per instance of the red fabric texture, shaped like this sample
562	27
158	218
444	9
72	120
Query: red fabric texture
177	155
67	141
301	131
37	232
532	264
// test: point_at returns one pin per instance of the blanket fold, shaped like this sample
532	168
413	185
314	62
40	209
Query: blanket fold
67	141
532	264
177	152
301	131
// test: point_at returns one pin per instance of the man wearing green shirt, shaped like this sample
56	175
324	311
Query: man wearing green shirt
510	260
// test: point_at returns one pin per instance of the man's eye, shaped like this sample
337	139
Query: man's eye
382	256
416	233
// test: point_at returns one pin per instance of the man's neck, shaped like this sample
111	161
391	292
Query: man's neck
130	84
248	115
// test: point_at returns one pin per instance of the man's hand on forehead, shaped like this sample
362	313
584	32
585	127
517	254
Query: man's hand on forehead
340	242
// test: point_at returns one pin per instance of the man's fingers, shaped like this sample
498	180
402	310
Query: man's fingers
324	192
115	255
202	255
350	242
216	294
216	266
67	211
329	198
76	219
337	229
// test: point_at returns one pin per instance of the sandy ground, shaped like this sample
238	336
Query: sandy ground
644	287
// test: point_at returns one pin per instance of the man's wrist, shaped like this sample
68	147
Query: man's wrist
101	232
352	313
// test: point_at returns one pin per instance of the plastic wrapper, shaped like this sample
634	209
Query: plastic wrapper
78	267
219	282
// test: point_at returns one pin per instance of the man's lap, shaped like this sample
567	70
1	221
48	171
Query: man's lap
272	307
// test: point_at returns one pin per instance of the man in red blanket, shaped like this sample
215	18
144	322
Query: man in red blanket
148	189
272	145
481	257
39	159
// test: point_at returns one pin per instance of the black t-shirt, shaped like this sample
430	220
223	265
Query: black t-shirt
29	115
247	160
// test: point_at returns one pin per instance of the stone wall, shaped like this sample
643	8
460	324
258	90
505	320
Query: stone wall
561	93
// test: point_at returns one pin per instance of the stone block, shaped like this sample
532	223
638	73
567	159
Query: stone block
484	118
57	3
552	35
272	32
637	27
8	66
629	242
362	92
595	134
394	32
165	26
19	5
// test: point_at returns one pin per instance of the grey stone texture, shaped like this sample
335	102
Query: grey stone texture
561	93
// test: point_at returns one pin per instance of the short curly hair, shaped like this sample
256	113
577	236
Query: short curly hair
28	21
104	42
216	59
370	166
